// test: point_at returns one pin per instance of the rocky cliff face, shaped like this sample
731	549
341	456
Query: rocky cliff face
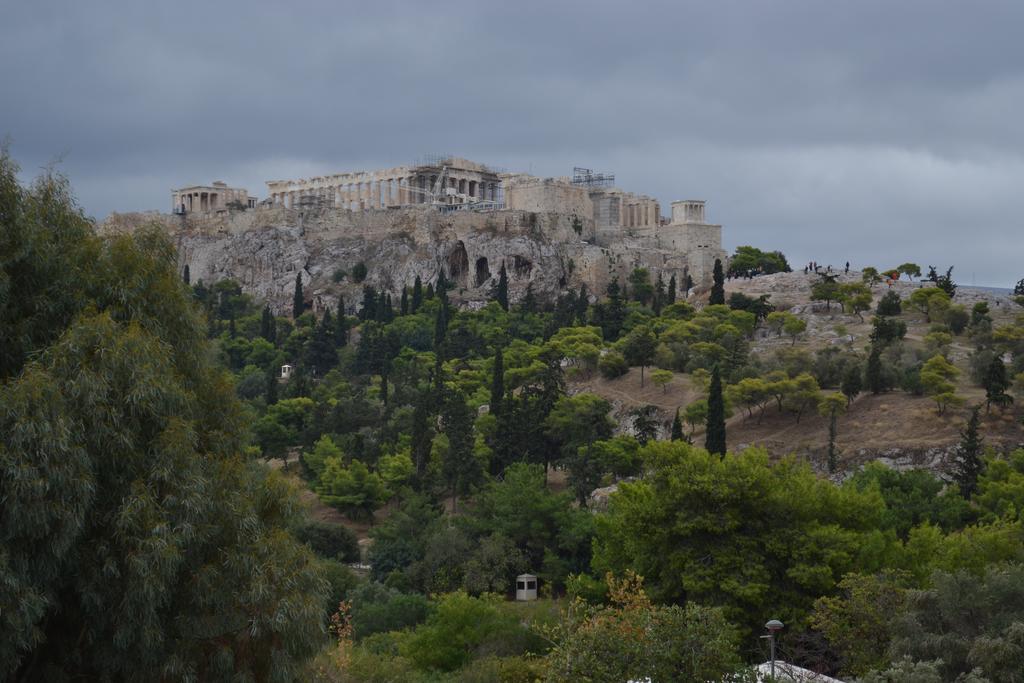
264	250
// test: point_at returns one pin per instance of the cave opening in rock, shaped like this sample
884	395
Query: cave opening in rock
458	265
521	265
483	273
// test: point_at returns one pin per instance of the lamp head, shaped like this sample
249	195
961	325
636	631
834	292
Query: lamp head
774	625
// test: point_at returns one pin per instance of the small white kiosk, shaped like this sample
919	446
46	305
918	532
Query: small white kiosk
286	371
526	587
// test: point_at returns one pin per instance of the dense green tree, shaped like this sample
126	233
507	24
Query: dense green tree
645	423
737	532
638	348
459	468
575	423
640	285
852	383
341	324
965	622
670	297
298	298
859	622
969	462
912	498
634	640
874	373
826	289
137	543
552	533
501	289
417	295
911	270
749	261
715	430
404	303
889	304
321	353
353	489
359	272
677	427
368	311
717	295
996	383
613	315
270	386
831	406
497	383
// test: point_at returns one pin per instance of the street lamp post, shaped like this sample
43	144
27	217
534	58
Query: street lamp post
773	627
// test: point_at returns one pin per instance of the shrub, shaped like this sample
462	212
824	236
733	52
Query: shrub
889	304
613	365
338	275
379	609
359	272
341	580
330	541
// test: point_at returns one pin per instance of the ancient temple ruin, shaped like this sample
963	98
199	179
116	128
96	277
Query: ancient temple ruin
445	215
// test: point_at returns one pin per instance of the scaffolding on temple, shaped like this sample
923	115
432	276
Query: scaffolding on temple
587	178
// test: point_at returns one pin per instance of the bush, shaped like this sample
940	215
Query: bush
612	365
341	580
330	541
338	275
889	304
379	609
359	272
462	628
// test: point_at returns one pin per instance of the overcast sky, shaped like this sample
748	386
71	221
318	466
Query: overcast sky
878	132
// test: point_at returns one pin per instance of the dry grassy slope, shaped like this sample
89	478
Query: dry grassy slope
873	426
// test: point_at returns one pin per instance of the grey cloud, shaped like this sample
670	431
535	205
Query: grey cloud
873	131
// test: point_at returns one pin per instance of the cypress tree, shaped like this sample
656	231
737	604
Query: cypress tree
321	349
969	464
529	302
677	427
497	383
458	468
615	314
718	284
389	310
404	305
440	328
341	324
659	295
265	324
271	387
422	435
874	376
298	300
231	325
689	284
582	304
501	290
417	294
671	296
430	291
369	308
186	275
715	439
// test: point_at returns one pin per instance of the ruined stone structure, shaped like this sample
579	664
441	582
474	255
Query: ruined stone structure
462	182
446	215
215	197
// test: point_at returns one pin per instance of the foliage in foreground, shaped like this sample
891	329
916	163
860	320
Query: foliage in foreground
135	541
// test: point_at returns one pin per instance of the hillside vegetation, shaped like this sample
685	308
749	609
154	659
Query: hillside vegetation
150	451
